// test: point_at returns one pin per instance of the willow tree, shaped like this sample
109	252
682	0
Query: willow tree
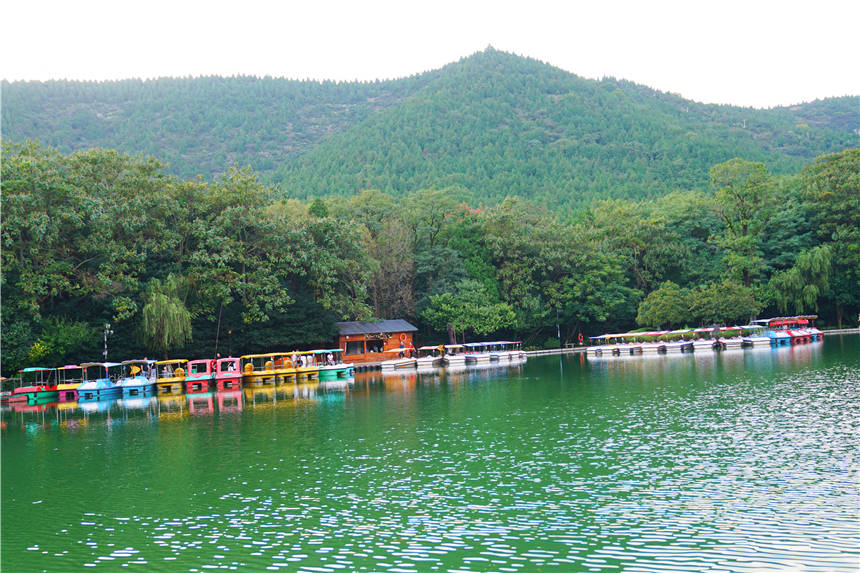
166	320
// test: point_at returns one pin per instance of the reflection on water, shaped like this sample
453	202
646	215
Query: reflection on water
734	461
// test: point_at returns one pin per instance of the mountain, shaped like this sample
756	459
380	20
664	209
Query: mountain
493	124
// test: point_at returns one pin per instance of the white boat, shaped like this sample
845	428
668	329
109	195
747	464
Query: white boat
429	356
674	346
702	344
454	355
400	360
477	353
732	343
651	347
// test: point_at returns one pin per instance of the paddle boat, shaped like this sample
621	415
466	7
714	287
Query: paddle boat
478	353
258	370
454	355
731	339
334	366
400	360
228	374
594	350
702	344
755	336
138	377
100	381
283	364
36	384
307	364
170	376
200	373
68	380
430	356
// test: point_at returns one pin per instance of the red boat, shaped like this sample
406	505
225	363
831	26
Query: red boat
42	386
199	376
228	374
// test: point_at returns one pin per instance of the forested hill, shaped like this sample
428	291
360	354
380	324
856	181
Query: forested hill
493	124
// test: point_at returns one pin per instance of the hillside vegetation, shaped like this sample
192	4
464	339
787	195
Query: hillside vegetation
489	126
191	268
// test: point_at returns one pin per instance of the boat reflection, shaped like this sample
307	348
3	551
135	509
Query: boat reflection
229	402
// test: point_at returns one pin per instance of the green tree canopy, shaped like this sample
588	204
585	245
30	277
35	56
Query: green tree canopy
668	306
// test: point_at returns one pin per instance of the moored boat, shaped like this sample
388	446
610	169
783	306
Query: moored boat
36	384
754	335
100	381
453	355
429	356
704	344
258	370
399	361
138	377
731	343
477	353
228	374
170	376
200	373
68	381
334	366
307	364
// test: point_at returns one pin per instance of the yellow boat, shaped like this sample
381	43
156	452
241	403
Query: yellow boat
258	370
307	364
282	363
67	385
170	377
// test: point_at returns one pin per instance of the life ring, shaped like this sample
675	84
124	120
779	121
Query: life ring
402	336
580	338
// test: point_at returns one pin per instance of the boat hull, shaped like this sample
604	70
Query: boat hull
143	389
100	393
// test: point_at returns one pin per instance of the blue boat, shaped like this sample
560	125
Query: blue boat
138	377
101	381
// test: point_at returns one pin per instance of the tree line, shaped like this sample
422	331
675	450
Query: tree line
189	267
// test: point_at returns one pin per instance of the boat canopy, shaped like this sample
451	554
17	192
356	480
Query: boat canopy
786	320
36	369
454	346
174	361
137	361
103	364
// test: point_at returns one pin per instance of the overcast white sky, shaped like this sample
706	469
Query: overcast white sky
758	53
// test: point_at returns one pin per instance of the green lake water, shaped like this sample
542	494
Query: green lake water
736	461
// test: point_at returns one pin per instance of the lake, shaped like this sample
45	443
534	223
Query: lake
743	460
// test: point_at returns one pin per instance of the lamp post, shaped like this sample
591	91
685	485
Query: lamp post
107	332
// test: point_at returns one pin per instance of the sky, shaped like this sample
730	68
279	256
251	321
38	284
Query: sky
759	53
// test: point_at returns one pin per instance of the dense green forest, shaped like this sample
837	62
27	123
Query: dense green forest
187	267
487	127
